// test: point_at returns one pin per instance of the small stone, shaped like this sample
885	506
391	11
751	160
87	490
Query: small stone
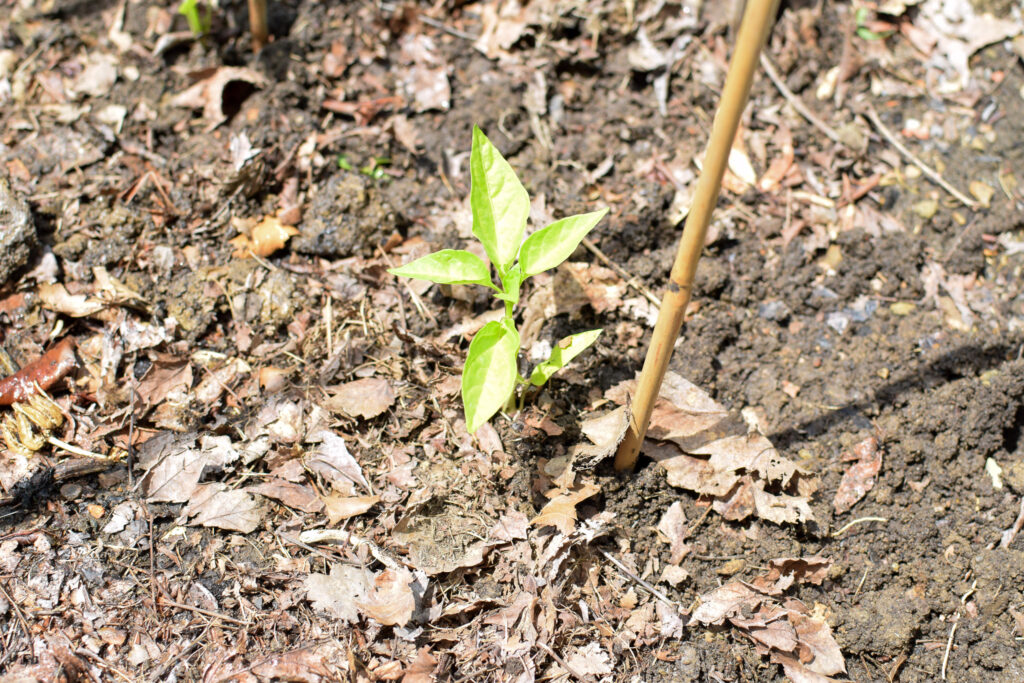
982	192
17	231
96	511
732	567
926	208
70	491
902	307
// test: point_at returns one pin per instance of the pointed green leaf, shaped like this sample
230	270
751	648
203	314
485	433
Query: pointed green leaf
448	267
490	373
564	351
551	245
499	201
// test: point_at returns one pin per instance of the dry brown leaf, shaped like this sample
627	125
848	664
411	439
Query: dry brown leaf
208	93
780	508
511	526
700	476
304	665
590	660
422	668
214	506
738	504
605	433
55	297
740	461
266	237
165	377
339	507
785	571
364	398
673	526
175	475
796	671
816	640
333	462
724	602
560	512
338	592
390	601
860	477
577	284
778	634
293	495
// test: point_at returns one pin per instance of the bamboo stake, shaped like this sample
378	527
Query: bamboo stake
757	21
258	24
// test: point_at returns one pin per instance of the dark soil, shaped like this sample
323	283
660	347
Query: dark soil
877	318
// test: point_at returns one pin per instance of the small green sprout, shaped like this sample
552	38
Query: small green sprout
198	23
501	207
863	19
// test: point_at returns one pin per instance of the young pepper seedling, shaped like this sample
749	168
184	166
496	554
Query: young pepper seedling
501	207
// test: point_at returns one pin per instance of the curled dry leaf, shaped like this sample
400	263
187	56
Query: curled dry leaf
55	297
340	508
266	237
737	464
605	433
390	600
560	512
208	94
364	398
801	642
860	477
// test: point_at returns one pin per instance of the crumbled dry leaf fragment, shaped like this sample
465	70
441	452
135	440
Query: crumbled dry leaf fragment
334	463
788	633
214	505
299	497
305	664
590	660
560	511
364	398
860	477
266	237
390	600
338	592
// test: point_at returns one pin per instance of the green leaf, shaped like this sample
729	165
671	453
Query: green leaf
448	267
551	245
490	373
499	201
511	282
564	351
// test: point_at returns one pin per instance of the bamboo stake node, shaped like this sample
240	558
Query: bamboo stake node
754	29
